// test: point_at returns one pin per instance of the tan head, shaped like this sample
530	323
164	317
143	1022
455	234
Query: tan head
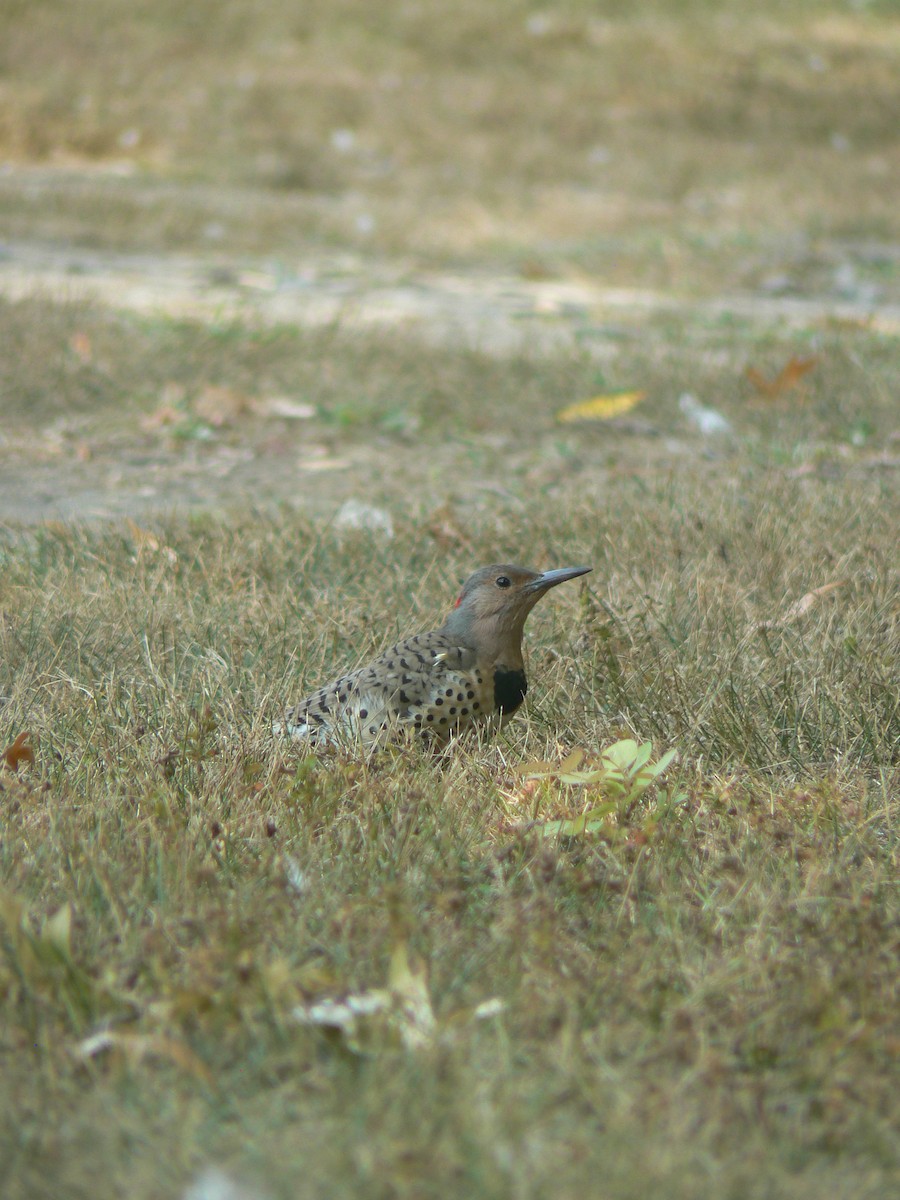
491	610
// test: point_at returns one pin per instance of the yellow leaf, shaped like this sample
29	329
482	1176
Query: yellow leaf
142	538
571	762
408	986
12	914
57	931
400	1012
537	767
600	408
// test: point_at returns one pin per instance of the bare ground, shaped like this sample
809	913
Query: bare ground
68	468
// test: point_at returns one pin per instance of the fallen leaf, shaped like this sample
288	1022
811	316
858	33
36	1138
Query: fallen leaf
297	878
402	1011
220	406
146	542
214	1184
142	538
488	1008
166	414
802	606
80	345
57	931
788	377
445	528
600	408
348	1017
19	752
324	464
135	1047
412	1003
283	406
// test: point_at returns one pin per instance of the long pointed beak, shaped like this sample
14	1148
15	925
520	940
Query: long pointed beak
550	579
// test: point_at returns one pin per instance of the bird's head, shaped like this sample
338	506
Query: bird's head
490	613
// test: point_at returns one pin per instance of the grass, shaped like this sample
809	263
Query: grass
640	144
699	998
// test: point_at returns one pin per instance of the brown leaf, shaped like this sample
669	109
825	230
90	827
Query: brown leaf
171	410
166	414
220	405
148	543
802	606
136	1047
142	538
19	752
80	345
788	377
445	528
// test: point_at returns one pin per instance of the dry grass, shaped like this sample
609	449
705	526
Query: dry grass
688	149
700	999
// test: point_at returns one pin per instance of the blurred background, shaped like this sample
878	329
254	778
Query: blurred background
247	244
694	145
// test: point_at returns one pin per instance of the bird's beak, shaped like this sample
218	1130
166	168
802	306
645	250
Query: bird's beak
550	579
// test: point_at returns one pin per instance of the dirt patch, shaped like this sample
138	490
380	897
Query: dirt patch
75	467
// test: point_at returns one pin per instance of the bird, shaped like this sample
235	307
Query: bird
470	672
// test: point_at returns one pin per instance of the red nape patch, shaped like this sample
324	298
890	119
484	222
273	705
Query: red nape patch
458	602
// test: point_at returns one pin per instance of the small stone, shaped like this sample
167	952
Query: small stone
706	419
356	515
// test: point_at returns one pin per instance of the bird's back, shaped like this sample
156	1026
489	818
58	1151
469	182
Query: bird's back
430	682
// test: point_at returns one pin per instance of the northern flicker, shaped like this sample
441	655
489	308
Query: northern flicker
468	671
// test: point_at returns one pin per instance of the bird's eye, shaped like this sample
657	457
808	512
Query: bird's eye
504	581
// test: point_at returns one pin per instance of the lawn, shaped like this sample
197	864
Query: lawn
694	992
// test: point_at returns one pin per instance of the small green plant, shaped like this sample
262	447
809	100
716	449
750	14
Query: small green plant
622	777
38	972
